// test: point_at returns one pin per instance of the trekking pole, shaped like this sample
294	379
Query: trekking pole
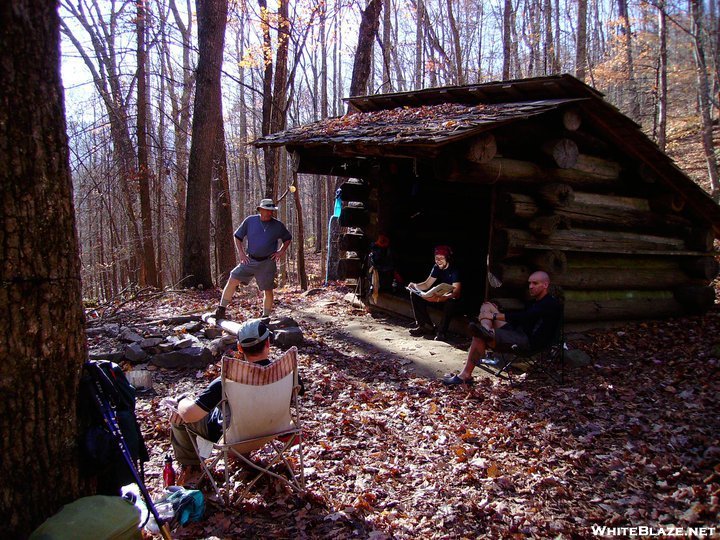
108	415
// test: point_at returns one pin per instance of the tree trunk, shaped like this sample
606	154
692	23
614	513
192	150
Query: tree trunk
225	245
551	53
321	202
181	117
419	25
506	39
457	47
662	78
212	16
703	90
300	240
581	42
369	25
269	153
633	98
43	341
386	47
149	270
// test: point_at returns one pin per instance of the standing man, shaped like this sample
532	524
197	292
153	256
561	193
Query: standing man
442	272
259	258
528	330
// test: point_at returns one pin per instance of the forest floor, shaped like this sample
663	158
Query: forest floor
631	440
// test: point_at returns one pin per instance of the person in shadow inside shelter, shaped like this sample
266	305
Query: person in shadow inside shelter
443	272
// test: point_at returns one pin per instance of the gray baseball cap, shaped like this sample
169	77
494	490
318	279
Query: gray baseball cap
252	332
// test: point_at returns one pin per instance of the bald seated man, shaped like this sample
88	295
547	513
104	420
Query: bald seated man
528	330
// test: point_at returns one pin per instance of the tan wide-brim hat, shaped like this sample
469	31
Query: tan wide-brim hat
267	204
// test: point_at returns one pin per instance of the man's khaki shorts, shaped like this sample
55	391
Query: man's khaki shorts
263	271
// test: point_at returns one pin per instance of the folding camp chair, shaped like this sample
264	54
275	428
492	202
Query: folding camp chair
549	360
260	411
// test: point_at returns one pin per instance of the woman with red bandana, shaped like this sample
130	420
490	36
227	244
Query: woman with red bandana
442	272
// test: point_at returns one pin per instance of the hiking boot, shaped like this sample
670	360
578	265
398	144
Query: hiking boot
220	313
421	330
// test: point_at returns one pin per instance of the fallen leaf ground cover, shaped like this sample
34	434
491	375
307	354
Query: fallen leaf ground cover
631	440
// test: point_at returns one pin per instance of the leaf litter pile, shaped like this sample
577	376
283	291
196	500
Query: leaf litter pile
631	440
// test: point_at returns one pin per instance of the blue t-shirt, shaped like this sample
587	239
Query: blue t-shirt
262	236
447	275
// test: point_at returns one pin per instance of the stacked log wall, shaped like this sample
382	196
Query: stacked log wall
618	244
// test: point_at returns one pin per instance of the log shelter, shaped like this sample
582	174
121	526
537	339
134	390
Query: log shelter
517	176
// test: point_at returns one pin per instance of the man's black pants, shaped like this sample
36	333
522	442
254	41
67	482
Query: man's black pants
420	311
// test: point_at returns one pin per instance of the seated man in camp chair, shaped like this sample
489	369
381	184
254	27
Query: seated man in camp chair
524	331
203	414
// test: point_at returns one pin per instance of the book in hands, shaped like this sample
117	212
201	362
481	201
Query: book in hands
438	290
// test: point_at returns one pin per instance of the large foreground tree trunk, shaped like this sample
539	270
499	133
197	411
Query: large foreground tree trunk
212	18
43	340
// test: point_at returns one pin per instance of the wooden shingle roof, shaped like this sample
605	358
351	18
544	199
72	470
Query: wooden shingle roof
424	125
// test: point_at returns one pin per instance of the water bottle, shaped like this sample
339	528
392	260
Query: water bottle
168	473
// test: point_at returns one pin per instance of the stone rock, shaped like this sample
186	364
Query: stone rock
283	322
221	344
166	347
92	332
287	337
577	358
213	332
135	354
112	356
111	330
130	336
148	343
189	327
186	340
191	357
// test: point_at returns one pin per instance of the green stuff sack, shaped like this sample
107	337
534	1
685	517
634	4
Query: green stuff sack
92	518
